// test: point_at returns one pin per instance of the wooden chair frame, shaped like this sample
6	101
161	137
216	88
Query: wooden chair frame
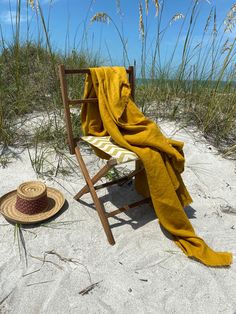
74	149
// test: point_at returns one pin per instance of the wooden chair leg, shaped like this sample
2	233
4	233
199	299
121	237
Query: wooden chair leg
101	174
99	207
94	180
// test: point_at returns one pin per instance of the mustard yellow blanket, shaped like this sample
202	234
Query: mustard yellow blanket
163	159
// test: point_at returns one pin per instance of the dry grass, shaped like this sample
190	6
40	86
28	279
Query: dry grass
202	94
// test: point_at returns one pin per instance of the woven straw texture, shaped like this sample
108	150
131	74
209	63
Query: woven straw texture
9	211
32	197
31	190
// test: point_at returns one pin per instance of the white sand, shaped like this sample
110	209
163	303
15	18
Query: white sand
144	272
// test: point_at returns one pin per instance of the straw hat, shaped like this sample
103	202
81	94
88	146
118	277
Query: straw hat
32	202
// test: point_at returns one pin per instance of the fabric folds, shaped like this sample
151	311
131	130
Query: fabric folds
118	116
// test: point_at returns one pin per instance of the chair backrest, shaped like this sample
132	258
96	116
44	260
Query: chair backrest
67	102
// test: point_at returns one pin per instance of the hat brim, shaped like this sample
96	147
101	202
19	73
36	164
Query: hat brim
9	211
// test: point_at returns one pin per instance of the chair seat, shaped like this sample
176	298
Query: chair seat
105	144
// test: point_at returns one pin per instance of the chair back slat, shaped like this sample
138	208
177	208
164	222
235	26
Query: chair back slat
77	71
67	102
86	71
82	101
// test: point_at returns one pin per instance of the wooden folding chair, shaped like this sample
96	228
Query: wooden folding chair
117	154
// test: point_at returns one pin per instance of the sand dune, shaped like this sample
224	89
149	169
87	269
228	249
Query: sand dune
144	272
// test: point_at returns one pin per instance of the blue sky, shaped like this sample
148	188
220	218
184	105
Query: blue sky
69	18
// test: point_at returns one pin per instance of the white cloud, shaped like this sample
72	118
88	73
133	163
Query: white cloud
9	17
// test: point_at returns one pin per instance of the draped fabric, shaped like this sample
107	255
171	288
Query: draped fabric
118	116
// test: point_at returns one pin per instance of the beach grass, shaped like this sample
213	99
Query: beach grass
198	91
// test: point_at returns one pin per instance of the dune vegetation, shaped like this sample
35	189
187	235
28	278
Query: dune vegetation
198	91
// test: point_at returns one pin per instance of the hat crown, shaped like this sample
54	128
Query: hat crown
31	190
32	202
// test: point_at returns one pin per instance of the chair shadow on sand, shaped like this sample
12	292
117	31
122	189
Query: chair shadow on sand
135	217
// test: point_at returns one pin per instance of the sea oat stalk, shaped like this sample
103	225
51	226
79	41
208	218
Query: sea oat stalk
141	25
156	3
105	18
230	19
